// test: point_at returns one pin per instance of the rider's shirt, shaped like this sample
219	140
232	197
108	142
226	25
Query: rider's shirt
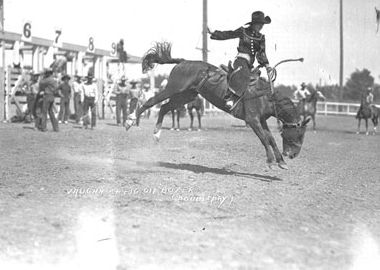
251	43
369	98
77	86
301	94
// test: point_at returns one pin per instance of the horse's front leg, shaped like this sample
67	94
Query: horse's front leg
199	120
366	127
190	111
358	131
173	119
258	129
279	158
313	118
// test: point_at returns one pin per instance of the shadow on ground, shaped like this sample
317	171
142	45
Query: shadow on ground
204	169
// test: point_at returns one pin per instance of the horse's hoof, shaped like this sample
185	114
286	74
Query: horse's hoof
128	124
199	129
367	133
283	166
177	129
156	138
189	129
172	129
271	165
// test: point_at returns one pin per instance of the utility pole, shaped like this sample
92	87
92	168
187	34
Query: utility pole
2	69
204	32
341	51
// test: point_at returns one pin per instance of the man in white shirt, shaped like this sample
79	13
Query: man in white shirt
301	94
89	97
78	106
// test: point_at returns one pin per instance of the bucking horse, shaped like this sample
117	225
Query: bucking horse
190	78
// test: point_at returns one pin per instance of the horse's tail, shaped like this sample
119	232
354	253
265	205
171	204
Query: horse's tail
160	53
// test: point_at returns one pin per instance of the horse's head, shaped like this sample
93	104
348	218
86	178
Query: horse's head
320	96
292	138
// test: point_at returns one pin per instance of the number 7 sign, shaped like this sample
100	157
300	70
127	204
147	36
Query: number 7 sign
57	38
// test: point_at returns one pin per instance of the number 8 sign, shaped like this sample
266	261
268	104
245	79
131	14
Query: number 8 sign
91	46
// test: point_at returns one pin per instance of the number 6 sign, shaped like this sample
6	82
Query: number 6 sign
91	46
27	31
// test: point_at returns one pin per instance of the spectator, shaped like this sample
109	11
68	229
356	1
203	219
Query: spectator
64	90
78	106
89	98
48	88
121	90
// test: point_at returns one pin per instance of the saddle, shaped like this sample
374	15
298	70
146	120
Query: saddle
230	71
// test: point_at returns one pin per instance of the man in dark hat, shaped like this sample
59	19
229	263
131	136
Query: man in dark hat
251	46
89	98
121	90
48	88
77	88
64	91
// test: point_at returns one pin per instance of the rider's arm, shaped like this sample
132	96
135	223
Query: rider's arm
223	35
261	55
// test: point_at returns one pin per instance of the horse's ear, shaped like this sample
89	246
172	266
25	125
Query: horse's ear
305	121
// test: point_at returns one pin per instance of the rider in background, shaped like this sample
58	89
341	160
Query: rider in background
302	93
251	46
369	96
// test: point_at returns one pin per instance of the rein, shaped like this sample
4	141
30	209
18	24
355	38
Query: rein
272	78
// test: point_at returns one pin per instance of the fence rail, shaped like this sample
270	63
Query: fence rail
325	108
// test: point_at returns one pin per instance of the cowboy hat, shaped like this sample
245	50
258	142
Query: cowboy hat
303	84
48	71
258	17
64	77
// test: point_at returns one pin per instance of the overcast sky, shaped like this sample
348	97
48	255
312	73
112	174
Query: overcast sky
299	28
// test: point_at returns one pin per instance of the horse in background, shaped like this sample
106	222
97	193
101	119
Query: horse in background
309	106
196	104
367	111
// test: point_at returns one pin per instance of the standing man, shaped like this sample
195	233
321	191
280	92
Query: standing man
64	90
121	91
31	93
78	106
48	88
89	98
134	94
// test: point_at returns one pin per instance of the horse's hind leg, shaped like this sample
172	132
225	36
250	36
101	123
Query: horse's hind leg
175	101
199	119
366	127
178	116
173	119
313	118
190	111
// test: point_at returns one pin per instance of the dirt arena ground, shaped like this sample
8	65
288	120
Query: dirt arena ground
108	199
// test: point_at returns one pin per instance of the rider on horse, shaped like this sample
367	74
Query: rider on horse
251	46
301	94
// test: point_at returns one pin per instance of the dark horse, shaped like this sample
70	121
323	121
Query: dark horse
188	78
196	104
366	112
309	107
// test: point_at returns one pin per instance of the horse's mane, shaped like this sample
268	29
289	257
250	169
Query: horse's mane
160	53
285	106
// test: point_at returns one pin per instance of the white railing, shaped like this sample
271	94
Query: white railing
325	108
